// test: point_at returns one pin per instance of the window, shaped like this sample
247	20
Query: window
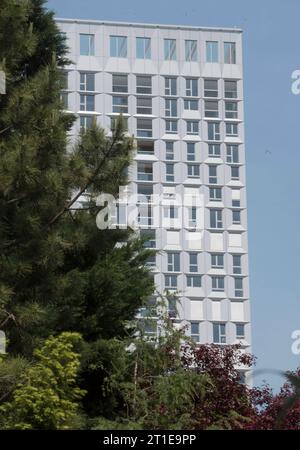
212	175
191	105
242	377
235	173
120	104
145	148
215	194
211	88
229	53
87	44
212	55
145	216
191	87
232	153
193	267
170	49
118	46
231	129
216	218
149	328
150	236
87	81
151	261
237	264
193	170
217	283
169	150
211	109
240	330
214	150
231	110
87	102
144	127
120	83
144	105
86	122
150	308
219	333
238	287
236	198
213	131
191	50
171	212
190	150
143	84
236	217
170	86
193	281
170	281
170	172
144	171
230	89
174	262
217	261
170	107
64	99
192	216
143	48
171	126
192	127
145	192
195	331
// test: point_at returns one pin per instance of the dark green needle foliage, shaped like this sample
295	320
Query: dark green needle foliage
58	271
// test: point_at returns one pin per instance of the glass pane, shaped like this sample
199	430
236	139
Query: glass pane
86	44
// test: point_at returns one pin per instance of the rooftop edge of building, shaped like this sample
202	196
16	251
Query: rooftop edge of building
149	25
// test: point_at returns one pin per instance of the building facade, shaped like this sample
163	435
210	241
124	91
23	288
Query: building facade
180	90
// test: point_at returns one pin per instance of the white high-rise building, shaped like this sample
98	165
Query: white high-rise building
180	89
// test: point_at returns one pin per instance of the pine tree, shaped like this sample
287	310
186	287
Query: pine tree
58	271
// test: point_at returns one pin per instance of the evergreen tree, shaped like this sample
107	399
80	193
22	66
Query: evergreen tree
47	396
58	271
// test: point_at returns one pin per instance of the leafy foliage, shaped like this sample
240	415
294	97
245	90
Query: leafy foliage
277	411
58	271
60	276
47	396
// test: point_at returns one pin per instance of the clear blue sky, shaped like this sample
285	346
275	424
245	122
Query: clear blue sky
271	53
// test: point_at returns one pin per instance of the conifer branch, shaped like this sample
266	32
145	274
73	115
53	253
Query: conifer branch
85	187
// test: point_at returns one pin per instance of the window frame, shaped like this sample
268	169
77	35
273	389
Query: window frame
146	47
84	82
84	104
212	51
190	47
170	49
217	264
218	283
219	334
213	131
91	44
216	217
190	127
120	50
173	261
170	86
229	53
191	87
